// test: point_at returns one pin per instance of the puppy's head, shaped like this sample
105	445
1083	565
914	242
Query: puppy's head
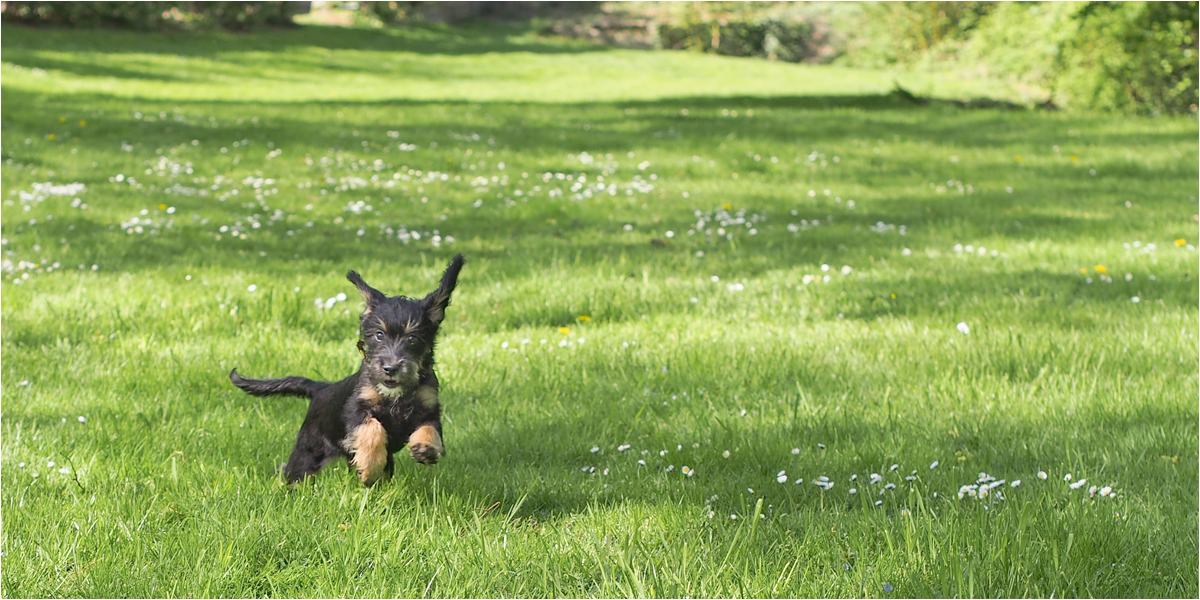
396	335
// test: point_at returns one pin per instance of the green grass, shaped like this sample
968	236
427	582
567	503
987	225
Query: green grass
692	345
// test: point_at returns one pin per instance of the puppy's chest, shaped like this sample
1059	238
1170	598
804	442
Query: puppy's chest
402	413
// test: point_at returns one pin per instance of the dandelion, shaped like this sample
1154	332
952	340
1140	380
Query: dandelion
1180	242
964	329
584	318
1100	269
564	330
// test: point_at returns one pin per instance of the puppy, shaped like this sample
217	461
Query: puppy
391	402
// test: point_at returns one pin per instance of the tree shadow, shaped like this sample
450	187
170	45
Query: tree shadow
481	37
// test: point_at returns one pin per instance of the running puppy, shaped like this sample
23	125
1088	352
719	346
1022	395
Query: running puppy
391	402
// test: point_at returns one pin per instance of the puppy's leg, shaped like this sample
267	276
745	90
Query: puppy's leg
368	447
311	453
425	443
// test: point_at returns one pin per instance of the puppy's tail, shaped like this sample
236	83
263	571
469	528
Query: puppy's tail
286	386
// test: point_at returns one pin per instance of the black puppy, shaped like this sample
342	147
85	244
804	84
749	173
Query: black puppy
392	400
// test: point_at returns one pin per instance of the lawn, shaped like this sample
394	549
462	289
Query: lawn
727	327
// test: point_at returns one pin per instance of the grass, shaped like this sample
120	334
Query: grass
217	162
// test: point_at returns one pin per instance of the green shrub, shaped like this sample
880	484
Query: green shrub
1132	57
768	38
152	15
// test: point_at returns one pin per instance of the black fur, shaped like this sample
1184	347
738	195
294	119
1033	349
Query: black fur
393	384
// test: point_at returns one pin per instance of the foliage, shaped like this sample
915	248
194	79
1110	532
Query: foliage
1136	57
767	38
341	143
1132	57
152	15
889	33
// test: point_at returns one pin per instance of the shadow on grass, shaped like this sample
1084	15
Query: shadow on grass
473	38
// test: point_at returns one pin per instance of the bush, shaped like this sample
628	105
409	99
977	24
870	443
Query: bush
152	15
1132	57
767	38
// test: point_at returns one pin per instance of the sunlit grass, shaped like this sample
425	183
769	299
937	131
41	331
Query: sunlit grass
599	342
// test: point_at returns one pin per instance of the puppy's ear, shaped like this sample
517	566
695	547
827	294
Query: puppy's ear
435	303
371	295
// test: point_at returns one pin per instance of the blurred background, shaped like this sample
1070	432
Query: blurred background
1129	57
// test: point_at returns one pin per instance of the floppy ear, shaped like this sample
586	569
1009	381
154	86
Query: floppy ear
371	295
435	303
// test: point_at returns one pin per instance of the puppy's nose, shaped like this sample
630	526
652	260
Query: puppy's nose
391	368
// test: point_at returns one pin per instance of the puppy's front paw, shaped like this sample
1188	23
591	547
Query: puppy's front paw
425	444
425	454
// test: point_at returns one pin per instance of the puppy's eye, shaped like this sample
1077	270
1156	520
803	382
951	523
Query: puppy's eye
379	335
410	339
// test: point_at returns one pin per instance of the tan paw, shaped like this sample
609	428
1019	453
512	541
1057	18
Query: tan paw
425	445
424	453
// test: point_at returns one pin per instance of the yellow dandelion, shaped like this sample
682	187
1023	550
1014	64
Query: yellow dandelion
726	206
584	318
1180	242
62	119
162	207
1017	158
893	295
51	136
1083	271
1101	269
564	330
83	123
1074	158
